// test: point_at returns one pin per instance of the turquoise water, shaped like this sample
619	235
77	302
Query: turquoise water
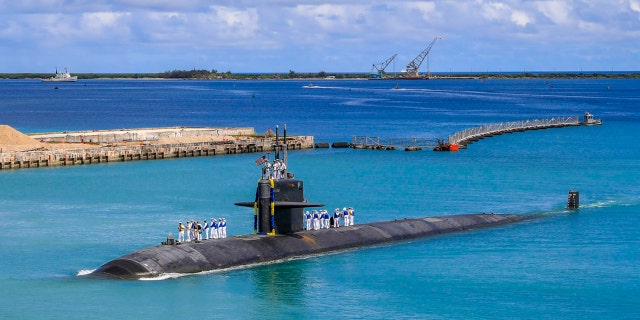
62	222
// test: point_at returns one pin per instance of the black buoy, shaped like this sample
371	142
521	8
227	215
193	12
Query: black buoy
340	144
574	200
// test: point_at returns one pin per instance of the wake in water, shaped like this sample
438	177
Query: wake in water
84	272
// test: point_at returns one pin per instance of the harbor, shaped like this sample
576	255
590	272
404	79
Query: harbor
92	214
90	147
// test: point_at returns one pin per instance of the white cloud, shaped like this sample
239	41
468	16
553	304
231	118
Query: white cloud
329	16
495	10
556	11
426	8
501	12
241	23
101	23
634	5
520	18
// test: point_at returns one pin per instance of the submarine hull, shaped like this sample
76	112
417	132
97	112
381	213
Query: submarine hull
244	250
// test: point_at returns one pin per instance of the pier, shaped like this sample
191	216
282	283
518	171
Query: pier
91	147
461	139
468	136
377	143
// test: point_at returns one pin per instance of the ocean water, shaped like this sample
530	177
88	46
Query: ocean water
60	223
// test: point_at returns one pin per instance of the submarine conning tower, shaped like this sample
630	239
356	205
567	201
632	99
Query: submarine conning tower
279	201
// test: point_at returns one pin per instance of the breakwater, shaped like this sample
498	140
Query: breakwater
143	144
471	135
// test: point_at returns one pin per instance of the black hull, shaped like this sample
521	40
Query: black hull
254	249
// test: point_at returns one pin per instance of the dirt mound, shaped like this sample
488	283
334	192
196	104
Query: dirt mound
14	140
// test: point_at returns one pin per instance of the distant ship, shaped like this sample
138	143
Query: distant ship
590	121
61	77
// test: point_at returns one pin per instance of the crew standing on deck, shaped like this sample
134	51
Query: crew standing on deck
352	214
199	231
223	227
188	230
275	168
180	232
316	220
266	170
345	216
336	218
207	227
307	216
327	218
215	227
282	167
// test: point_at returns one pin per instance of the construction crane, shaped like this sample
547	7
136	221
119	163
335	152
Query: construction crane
411	70
380	69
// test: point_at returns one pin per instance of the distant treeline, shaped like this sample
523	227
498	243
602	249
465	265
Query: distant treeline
214	74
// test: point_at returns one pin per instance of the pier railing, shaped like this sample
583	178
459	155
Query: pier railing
471	134
378	143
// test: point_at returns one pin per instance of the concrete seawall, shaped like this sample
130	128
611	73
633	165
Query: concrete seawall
144	144
225	253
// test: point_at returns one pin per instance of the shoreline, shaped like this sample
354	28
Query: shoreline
315	76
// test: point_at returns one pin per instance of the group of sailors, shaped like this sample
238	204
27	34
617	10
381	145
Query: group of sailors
214	229
320	219
275	170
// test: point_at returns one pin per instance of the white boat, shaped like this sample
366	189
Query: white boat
61	77
590	121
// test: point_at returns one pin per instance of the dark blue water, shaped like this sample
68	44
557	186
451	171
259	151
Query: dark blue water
61	222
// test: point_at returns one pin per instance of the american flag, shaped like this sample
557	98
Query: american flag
261	160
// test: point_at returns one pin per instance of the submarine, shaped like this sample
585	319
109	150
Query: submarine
279	235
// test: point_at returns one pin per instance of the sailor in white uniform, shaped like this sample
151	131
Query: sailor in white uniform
326	218
345	216
214	228
180	232
188	231
336	218
316	220
266	170
224	227
352	214
277	169
206	229
307	216
283	168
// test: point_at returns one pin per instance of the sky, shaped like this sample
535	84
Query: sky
279	36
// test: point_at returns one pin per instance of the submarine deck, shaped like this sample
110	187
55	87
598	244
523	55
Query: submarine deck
243	250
